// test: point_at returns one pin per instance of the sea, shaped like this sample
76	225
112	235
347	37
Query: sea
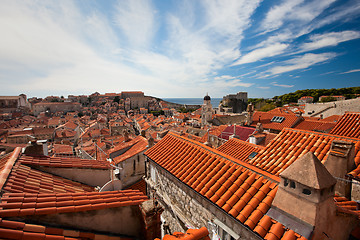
193	101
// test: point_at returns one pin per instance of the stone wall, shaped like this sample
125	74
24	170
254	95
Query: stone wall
355	191
332	108
184	207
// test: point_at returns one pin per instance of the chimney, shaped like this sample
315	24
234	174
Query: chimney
151	142
304	200
126	136
34	149
339	162
259	127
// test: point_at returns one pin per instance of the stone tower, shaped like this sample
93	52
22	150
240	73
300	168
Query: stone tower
206	110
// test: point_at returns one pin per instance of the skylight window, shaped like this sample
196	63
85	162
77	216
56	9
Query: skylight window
277	119
252	155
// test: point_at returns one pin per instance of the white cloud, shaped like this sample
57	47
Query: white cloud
302	62
277	15
263	87
300	11
351	71
281	85
329	39
136	19
262	53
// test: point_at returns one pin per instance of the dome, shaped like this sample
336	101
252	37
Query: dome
207	97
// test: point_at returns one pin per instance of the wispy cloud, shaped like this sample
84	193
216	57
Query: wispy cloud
351	71
263	87
262	53
329	39
136	19
302	62
281	85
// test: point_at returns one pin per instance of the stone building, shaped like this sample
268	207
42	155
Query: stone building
13	103
130	160
332	108
53	107
201	186
305	99
237	102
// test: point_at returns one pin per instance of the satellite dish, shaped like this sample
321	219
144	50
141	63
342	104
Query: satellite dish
112	185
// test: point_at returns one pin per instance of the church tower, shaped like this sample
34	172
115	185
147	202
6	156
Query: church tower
206	110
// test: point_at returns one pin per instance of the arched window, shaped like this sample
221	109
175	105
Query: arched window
292	184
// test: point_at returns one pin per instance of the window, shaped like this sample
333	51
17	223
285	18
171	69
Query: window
306	191
292	184
252	155
277	119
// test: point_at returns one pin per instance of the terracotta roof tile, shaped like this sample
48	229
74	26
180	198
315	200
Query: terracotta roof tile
265	119
242	132
191	234
64	162
24	179
348	125
290	144
21	230
140	185
346	206
239	149
40	204
315	125
242	191
138	147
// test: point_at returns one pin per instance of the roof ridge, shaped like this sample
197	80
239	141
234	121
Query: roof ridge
8	166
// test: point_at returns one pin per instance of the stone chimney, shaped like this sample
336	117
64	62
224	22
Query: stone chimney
259	127
304	200
34	149
126	136
339	162
151	142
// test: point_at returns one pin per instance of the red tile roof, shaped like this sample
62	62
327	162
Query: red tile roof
265	119
191	234
21	230
63	162
315	125
242	132
62	149
6	165
244	194
24	179
239	149
348	125
24	204
135	149
140	185
346	206
355	173
290	144
332	118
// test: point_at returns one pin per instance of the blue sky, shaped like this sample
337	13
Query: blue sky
178	48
